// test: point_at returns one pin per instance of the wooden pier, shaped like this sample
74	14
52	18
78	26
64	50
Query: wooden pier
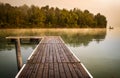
53	59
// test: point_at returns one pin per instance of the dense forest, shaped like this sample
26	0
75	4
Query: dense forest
48	17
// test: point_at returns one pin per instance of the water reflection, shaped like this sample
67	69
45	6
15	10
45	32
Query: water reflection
8	65
4	45
84	37
103	59
73	37
8	45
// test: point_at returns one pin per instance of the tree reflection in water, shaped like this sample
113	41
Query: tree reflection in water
84	38
73	37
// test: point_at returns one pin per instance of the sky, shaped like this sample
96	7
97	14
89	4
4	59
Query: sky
109	8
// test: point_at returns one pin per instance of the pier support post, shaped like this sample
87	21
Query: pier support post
18	53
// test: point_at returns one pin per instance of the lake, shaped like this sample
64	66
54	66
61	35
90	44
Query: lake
98	49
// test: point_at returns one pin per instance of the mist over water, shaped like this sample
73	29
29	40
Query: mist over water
98	49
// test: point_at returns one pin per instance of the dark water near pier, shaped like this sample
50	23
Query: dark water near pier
98	49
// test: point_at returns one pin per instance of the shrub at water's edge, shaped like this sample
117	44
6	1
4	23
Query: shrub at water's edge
48	17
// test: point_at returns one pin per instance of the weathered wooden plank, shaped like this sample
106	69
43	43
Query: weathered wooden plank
54	54
56	70
62	72
52	59
84	73
27	74
44	53
38	53
40	71
47	55
34	57
69	54
46	70
51	54
67	71
23	71
34	71
18	53
57	54
63	52
51	70
77	71
73	73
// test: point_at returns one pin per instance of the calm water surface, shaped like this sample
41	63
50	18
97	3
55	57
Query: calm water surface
98	49
102	58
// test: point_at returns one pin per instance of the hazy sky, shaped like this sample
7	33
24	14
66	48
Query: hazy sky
109	8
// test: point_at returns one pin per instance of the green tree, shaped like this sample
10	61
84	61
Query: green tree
100	20
25	16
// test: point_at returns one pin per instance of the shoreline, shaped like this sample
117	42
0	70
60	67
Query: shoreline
49	28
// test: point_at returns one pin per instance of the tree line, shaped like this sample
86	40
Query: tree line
48	17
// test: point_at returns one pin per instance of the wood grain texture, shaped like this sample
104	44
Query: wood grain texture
53	59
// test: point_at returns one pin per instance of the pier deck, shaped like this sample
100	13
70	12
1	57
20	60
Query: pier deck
53	59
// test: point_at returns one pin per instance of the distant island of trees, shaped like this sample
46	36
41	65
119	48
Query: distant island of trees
48	17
